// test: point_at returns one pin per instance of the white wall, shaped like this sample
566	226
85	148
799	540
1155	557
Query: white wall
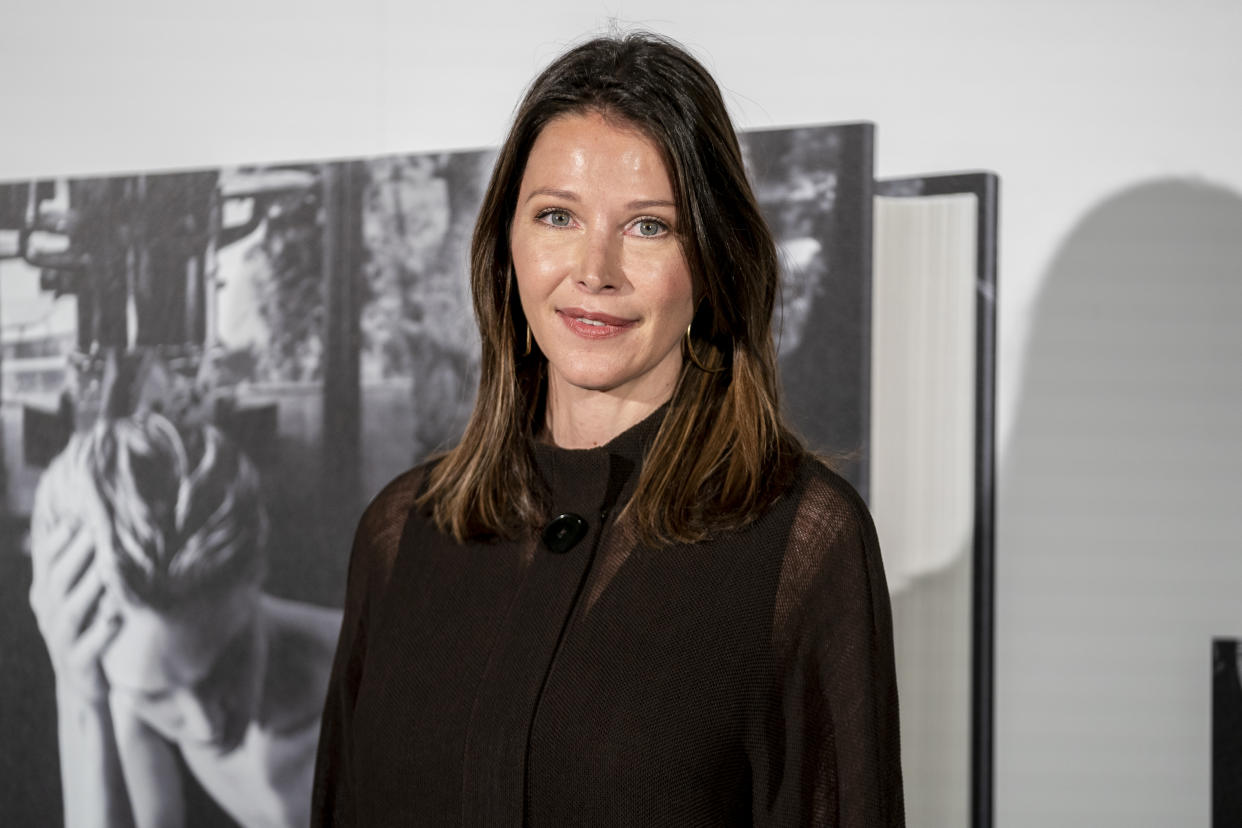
1071	103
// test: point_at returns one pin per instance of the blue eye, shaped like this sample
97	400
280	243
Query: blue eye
556	218
650	228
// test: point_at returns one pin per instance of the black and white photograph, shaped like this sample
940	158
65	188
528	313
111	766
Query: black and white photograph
206	375
815	188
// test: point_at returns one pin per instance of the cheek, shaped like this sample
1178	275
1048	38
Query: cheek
133	654
542	258
523	251
535	291
536	275
672	290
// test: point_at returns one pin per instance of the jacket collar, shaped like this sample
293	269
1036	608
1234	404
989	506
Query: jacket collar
589	481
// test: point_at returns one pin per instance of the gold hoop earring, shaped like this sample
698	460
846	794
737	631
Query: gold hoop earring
694	358
526	353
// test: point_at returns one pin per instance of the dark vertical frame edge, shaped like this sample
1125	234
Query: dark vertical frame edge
985	186
866	253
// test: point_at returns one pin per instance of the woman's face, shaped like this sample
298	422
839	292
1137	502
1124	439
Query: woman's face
600	271
191	673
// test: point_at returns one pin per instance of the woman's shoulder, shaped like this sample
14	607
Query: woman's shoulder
832	569
828	504
832	536
383	520
395	500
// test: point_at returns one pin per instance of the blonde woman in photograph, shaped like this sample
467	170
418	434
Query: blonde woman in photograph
148	546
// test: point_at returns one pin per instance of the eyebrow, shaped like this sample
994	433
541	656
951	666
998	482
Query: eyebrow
655	202
570	195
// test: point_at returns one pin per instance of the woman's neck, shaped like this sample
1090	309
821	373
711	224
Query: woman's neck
580	419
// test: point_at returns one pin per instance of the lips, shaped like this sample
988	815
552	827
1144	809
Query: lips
594	325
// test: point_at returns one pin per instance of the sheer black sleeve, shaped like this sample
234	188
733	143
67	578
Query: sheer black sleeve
375	547
824	744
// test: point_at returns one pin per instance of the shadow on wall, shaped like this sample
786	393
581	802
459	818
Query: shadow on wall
1120	497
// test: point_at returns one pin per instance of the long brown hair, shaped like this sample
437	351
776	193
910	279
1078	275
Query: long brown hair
723	452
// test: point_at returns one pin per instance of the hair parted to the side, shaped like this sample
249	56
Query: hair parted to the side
723	452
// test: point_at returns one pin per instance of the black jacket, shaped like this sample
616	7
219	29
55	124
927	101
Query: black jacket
745	680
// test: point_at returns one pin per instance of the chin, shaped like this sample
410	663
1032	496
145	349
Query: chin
228	741
222	742
589	375
600	383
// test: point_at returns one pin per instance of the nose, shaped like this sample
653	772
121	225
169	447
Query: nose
600	268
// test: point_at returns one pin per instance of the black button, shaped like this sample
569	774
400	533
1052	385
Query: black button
564	532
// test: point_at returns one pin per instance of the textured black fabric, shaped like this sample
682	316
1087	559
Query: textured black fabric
746	680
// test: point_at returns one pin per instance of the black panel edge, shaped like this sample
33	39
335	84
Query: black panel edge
866	255
985	186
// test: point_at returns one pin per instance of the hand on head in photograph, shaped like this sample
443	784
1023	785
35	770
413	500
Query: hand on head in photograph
77	617
149	549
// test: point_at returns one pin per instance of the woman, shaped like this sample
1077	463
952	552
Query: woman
148	554
628	597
